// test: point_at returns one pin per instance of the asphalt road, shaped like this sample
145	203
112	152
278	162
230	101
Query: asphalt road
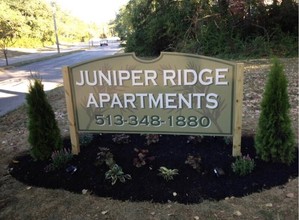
14	82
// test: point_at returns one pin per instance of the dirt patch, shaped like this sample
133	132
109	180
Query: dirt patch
19	201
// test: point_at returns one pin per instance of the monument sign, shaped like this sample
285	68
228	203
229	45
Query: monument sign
176	93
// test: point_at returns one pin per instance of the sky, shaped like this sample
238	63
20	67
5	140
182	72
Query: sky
98	11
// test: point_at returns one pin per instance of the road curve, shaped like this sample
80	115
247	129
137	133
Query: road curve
14	82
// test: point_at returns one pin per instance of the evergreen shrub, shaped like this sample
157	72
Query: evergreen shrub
274	140
44	134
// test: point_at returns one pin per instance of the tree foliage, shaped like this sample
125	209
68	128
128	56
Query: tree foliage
274	140
31	22
44	134
10	26
216	28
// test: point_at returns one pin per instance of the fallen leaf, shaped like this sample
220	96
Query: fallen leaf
290	195
105	212
237	213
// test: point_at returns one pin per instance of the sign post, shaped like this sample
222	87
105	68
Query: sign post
238	103
71	111
175	93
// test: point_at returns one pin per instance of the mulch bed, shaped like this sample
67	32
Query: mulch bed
190	186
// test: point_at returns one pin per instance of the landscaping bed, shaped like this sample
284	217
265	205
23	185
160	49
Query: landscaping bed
213	178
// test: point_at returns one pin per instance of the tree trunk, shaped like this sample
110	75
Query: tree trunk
5	55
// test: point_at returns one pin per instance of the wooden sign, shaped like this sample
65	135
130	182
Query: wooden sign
175	93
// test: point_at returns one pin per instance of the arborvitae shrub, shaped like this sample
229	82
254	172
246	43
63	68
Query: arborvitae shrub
44	134
274	140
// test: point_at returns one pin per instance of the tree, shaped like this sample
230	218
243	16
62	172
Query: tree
212	28
274	140
44	134
9	28
152	26
7	35
29	23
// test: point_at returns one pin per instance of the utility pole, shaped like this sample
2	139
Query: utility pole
55	26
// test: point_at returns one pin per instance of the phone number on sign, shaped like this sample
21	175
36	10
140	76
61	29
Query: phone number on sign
153	120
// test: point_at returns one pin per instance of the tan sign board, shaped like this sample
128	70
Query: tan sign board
173	94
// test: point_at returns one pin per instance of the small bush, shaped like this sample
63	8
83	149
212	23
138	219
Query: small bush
61	157
105	156
116	173
259	46
243	165
44	134
29	42
85	139
167	174
274	140
284	44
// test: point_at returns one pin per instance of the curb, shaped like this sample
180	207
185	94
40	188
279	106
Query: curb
25	62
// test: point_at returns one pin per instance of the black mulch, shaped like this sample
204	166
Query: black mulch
171	151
